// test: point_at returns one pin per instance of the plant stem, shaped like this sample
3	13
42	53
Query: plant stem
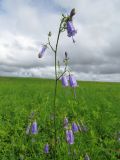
55	90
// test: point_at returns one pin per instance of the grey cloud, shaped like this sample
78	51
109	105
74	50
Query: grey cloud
95	56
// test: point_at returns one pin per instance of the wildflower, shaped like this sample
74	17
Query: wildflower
46	148
72	80
64	81
28	129
41	53
74	127
71	30
87	157
34	128
65	122
70	136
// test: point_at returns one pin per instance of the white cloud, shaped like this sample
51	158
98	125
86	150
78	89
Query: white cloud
24	26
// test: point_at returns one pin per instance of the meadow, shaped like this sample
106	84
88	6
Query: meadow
97	106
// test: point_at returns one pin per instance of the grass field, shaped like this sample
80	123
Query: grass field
97	106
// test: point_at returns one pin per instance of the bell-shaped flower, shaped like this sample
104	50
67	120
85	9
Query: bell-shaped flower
46	148
71	31
64	80
75	127
34	129
43	49
72	80
70	136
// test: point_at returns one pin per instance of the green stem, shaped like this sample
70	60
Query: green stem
55	91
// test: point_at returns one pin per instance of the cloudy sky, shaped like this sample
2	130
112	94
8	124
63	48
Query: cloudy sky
24	25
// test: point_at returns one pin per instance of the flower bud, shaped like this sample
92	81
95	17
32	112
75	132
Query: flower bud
72	13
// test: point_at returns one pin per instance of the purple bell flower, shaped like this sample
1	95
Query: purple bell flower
87	157
34	129
71	29
64	80
74	127
70	136
46	148
72	80
65	122
41	53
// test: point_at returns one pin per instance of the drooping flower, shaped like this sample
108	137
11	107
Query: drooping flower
74	127
70	136
65	122
43	49
64	80
71	31
86	157
28	128
46	148
72	80
34	129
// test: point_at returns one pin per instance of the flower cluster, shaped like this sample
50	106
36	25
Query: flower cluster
32	129
73	128
69	81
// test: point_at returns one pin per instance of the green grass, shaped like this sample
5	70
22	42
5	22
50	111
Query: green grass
97	106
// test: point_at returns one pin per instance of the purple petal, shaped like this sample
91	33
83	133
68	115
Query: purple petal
41	53
74	127
64	81
46	148
70	29
72	80
34	128
70	136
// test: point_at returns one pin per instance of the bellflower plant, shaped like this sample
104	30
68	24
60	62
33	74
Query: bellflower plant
66	24
70	136
42	52
72	80
46	149
71	30
64	80
75	127
34	129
